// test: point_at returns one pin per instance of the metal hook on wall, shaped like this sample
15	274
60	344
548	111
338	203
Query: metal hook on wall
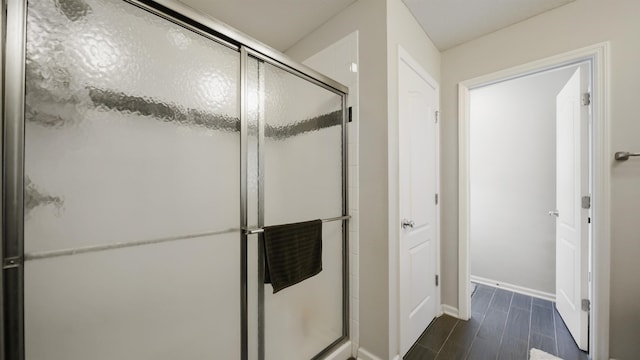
624	155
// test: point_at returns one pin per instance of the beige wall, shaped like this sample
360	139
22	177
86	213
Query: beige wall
368	17
573	26
382	25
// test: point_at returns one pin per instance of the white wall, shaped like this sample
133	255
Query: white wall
512	179
578	24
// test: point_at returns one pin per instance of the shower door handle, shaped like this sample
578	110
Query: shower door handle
407	224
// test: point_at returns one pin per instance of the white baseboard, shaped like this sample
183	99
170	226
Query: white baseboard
341	353
365	355
450	310
515	288
397	357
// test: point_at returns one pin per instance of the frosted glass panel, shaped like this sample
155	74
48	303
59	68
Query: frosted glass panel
117	100
302	320
131	137
303	149
175	300
303	181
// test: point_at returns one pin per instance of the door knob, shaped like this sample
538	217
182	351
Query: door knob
554	213
407	224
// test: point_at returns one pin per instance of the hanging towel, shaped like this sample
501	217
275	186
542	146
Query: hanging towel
293	253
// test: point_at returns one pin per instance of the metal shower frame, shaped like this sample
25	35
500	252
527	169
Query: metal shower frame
12	78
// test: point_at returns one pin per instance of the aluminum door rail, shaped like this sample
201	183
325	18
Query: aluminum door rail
261	230
119	245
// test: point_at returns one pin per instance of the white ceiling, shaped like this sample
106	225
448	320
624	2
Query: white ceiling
282	23
453	22
277	23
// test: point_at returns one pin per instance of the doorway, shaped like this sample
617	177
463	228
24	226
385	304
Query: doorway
522	157
596	259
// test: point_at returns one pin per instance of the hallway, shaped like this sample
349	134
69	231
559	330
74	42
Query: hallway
503	325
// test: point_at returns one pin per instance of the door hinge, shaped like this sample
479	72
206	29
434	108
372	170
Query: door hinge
437	116
586	202
586	305
586	99
436	199
11	262
350	113
437	280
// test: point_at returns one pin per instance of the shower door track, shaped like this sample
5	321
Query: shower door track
13	40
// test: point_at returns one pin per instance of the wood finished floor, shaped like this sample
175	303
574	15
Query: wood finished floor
503	326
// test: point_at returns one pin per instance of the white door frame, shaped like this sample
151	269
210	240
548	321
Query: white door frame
394	223
598	56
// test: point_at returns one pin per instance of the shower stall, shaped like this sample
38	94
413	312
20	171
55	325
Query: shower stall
146	147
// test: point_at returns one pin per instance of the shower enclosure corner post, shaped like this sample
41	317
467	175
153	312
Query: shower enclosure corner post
261	207
345	211
12	181
3	23
244	321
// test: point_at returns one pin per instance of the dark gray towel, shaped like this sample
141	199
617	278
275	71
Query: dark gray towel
293	253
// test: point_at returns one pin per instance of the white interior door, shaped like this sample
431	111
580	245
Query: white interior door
572	182
418	101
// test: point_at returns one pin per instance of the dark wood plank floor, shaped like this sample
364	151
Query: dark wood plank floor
503	326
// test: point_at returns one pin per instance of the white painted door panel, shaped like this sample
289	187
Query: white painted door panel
572	221
418	101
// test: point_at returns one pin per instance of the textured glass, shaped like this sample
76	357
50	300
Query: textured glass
131	135
303	181
176	300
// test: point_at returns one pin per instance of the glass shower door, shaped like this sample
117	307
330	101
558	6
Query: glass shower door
131	186
303	180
